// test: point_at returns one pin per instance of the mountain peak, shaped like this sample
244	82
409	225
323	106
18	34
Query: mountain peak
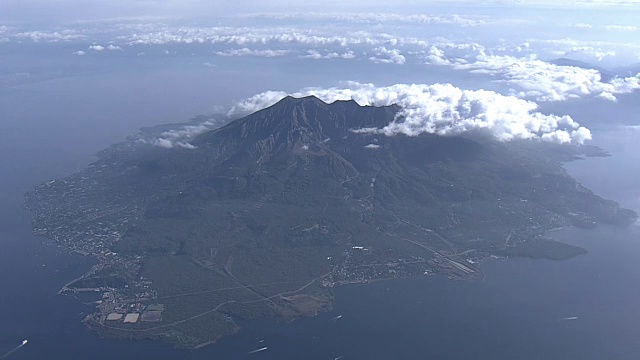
305	100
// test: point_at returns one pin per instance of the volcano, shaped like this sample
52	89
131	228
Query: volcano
263	216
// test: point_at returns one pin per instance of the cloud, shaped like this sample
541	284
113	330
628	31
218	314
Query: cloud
621	28
377	18
179	138
537	79
167	143
55	36
388	56
252	52
436	56
564	42
581	26
442	109
372	146
597	53
283	35
4	30
313	54
608	96
79	53
626	52
99	48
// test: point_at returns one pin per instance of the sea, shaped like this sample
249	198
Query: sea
584	308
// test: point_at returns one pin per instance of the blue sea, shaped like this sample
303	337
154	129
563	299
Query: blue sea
583	308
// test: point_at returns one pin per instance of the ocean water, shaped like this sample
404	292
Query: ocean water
583	308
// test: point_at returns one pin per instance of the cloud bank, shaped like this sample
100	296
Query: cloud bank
316	55
252	52
442	109
377	18
535	79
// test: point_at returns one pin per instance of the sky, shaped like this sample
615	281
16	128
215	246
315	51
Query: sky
453	66
70	10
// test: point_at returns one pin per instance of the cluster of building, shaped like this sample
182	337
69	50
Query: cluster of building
63	212
119	308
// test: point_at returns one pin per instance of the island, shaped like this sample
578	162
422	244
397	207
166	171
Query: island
263	216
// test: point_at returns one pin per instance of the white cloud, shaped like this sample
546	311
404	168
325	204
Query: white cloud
388	56
79	53
377	18
252	52
4	30
243	36
99	48
443	109
608	96
55	36
537	79
316	55
179	137
564	42
372	146
312	54
597	53
581	26
621	27
436	56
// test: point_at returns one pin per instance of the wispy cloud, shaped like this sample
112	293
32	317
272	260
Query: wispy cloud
597	53
252	52
621	27
316	55
377	18
581	26
179	138
55	36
